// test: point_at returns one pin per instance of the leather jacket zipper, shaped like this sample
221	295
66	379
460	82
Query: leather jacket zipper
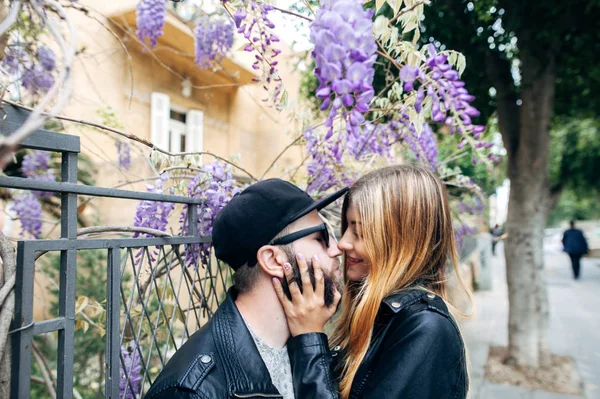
260	395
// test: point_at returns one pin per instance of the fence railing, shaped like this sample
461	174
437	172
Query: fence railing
153	298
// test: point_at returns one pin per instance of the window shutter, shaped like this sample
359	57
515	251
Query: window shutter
195	131
160	114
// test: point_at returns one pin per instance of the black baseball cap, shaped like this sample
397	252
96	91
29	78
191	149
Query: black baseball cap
256	215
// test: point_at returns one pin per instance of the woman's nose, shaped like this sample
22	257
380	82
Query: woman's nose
344	244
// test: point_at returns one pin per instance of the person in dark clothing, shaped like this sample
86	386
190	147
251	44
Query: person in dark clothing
241	351
395	337
496	236
576	246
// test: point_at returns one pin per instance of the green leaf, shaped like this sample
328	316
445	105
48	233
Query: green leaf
379	4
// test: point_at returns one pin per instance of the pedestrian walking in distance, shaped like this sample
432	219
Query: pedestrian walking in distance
576	246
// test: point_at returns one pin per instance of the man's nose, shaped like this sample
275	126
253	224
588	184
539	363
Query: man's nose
333	249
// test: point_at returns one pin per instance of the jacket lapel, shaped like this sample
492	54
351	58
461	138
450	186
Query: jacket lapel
246	373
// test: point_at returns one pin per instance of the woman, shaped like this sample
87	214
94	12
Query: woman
395	337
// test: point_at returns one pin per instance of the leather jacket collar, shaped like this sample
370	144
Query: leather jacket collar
246	373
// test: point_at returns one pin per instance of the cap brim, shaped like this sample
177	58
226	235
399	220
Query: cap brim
322	203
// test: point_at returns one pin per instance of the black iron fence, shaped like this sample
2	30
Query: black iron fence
154	299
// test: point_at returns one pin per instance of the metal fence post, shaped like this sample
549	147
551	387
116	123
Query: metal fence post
112	361
22	327
66	300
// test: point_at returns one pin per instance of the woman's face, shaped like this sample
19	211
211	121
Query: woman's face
353	245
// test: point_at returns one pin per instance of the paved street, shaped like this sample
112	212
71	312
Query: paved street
575	326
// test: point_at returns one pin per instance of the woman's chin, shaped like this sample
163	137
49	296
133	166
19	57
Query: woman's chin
354	275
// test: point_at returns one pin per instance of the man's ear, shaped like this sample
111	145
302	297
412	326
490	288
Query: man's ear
271	259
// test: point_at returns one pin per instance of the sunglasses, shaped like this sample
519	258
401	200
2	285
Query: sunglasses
289	238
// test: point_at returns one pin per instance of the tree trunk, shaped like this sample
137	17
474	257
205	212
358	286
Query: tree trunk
528	170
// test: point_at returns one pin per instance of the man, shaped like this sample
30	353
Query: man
241	352
496	236
576	246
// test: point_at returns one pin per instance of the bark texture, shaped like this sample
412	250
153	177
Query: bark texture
526	132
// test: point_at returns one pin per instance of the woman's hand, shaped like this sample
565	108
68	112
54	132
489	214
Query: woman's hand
306	312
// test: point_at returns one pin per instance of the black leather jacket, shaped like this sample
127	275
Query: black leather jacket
416	353
219	361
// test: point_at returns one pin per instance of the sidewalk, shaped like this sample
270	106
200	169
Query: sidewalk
574	326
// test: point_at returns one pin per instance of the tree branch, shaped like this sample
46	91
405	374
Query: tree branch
7	254
309	19
498	71
135	138
44	370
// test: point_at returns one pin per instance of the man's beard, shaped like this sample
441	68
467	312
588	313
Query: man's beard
331	284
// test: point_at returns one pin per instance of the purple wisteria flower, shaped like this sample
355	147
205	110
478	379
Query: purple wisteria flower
130	381
29	212
450	99
252	20
321	167
213	40
124	152
14	60
345	52
216	186
461	231
36	165
153	214
34	68
423	145
37	79
47	58
470	206
373	139
150	19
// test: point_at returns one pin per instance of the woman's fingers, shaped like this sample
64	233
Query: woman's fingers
279	291
319	280
304	276
292	283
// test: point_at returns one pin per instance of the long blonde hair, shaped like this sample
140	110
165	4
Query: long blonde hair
408	237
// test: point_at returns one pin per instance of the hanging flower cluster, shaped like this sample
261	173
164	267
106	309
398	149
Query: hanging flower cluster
216	186
36	165
213	40
422	144
28	210
150	19
461	231
252	20
450	100
27	204
470	206
35	71
130	381
373	139
344	56
153	214
124	153
323	160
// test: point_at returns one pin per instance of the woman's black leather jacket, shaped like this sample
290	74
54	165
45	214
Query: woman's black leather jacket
416	353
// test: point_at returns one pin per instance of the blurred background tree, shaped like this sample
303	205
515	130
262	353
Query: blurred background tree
535	67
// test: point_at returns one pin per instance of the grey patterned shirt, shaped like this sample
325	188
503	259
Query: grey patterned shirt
277	361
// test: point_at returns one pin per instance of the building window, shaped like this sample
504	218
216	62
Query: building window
175	128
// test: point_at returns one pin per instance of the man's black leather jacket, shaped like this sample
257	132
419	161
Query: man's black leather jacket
416	353
219	361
